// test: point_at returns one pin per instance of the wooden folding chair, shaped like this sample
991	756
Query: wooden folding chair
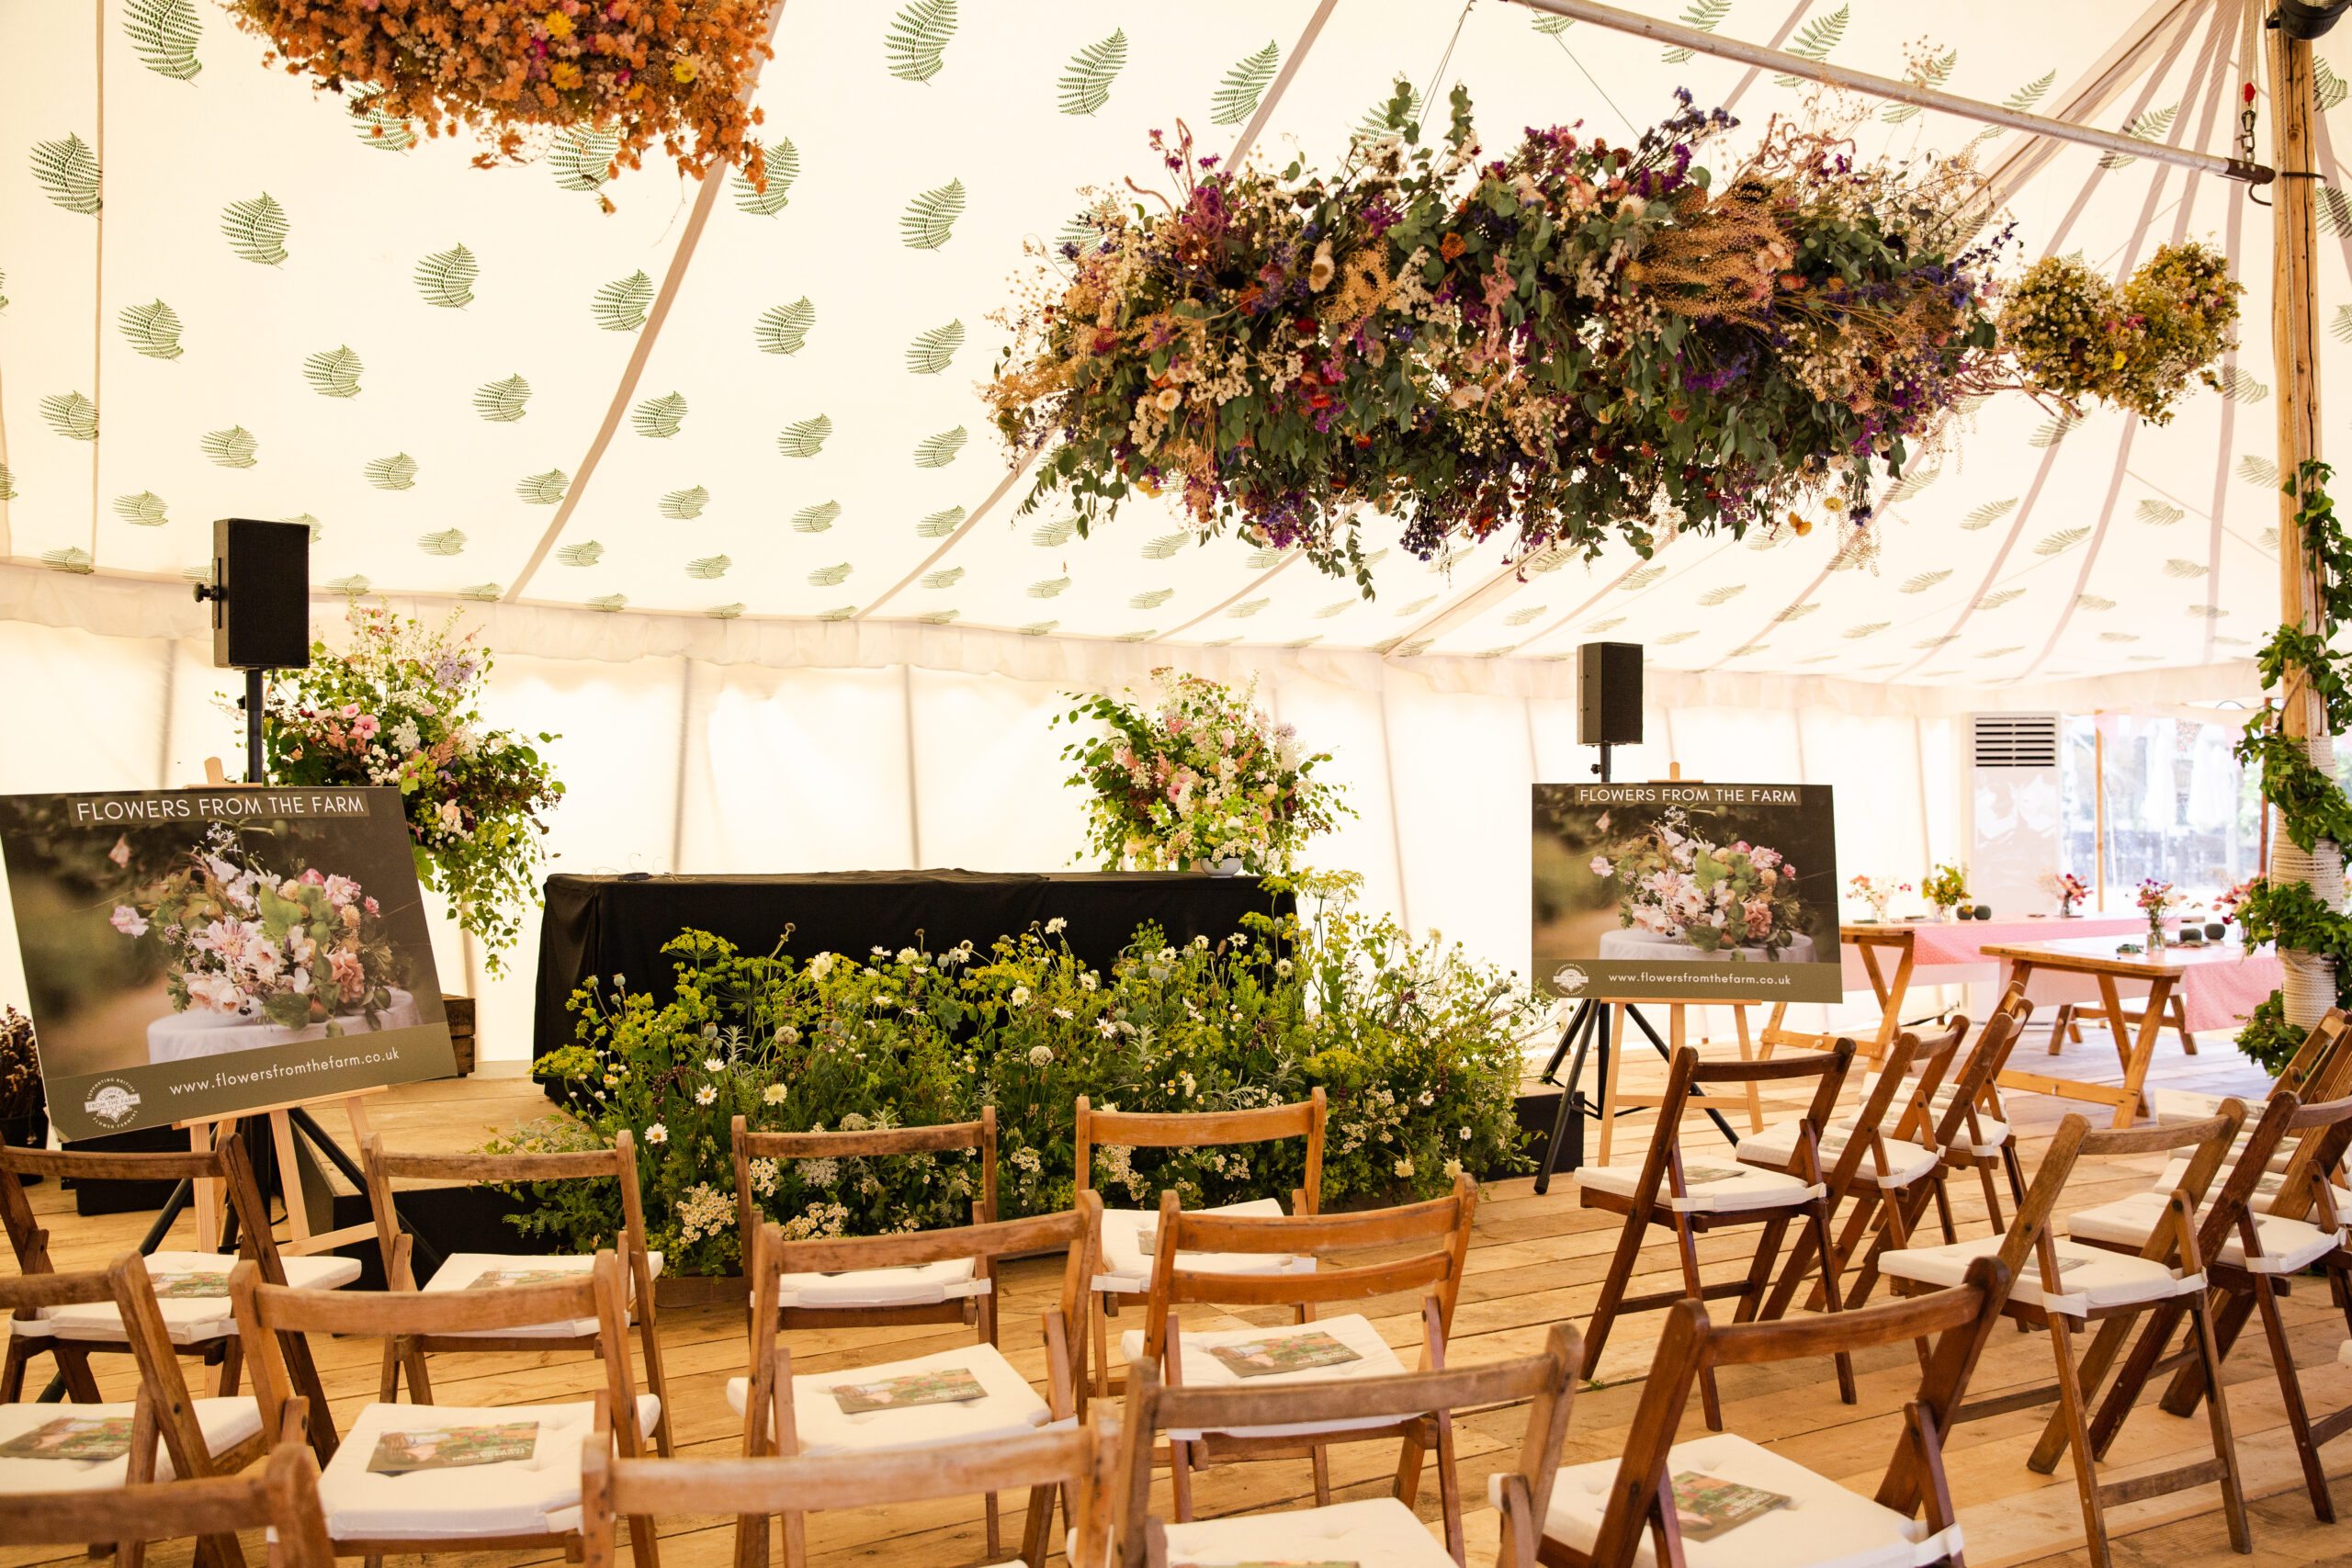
1078	1461
1882	1154
518	1502
2077	1287
1189	1266
1960	1121
953	1290
2320	1047
2251	1258
1599	1513
196	1313
283	1498
475	1271
1384	1528
1126	1266
1691	1200
812	1415
199	1437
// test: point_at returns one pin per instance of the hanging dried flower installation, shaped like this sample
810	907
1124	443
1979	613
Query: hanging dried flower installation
1575	343
522	70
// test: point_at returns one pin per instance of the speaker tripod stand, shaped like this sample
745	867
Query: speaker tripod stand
1587	1033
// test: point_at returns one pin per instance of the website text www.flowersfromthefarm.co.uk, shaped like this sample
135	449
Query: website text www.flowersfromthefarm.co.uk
225	1080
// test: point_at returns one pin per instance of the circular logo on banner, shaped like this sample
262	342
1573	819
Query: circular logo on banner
1571	980
112	1102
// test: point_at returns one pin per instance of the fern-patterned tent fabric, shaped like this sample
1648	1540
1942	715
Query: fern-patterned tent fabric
231	298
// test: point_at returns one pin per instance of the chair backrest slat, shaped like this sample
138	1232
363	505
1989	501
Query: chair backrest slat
873	1143
283	1497
1206	1129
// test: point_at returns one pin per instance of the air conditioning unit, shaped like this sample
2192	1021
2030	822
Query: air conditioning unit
2014	819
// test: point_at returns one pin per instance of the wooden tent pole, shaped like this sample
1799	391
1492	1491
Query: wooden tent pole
2294	313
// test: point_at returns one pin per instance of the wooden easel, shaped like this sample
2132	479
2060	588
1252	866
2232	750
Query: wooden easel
205	1131
1676	1036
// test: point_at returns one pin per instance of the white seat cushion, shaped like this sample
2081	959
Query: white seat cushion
2288	1246
2266	1189
461	1269
2088	1278
1380	1532
1907	1162
538	1496
1203	1369
1007	1407
1821	1525
1995	1132
1126	1267
2183	1105
1717	1186
922	1284
225	1422
204	1312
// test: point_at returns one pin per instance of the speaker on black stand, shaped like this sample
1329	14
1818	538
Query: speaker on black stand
260	595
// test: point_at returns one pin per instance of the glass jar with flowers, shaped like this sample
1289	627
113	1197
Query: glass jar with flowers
2067	889
1878	892
1945	887
2155	898
398	707
1202	778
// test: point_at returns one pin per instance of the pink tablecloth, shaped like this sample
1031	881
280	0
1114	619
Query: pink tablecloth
2217	995
2218	986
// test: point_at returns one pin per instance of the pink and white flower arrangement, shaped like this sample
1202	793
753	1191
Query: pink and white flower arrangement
1878	892
1202	775
1675	883
297	950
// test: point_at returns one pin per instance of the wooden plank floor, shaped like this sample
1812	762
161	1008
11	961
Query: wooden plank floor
1536	1260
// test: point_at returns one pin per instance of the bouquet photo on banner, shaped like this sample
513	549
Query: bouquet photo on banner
1686	892
196	952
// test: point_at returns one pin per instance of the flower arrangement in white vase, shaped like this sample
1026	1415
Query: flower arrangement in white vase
1878	892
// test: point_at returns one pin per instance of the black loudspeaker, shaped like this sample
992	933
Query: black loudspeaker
261	595
1609	693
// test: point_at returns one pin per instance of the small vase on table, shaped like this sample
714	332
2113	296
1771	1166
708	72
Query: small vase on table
2155	938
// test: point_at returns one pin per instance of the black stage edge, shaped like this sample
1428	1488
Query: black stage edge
616	925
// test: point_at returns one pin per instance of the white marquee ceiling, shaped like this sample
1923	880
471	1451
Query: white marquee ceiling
274	317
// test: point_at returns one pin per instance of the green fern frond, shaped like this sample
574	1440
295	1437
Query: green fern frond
783	329
2025	97
1237	96
938	451
2256	470
1047	587
830	576
1704	15
609	604
816	519
2183	569
2239	386
71	559
1262	558
1055	535
2328	89
543	489
2148	127
2051	432
144	510
1937	73
72	415
1086	82
620	305
1553	27
1165	546
444	542
154	330
582	159
333	372
67	173
8	483
1984	516
929	221
1640	578
1387	118
838	613
317	529
929	352
947	577
684	505
586	553
939	525
804	438
256	230
2005	596
230	449
938	618
1815	40
1724	595
2158	513
1922	582
163	34
1080	235
658	418
709	568
2340	329
1247	608
1152	600
446	279
918	39
502	403
725	612
2335	211
4	298
1909	485
2062	541
395	472
381	131
784	167
352	587
481	592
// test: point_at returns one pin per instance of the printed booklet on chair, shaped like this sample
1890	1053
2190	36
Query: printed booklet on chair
72	1437
948	1385
1287	1353
1706	1506
448	1447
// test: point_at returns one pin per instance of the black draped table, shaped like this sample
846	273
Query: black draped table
616	925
